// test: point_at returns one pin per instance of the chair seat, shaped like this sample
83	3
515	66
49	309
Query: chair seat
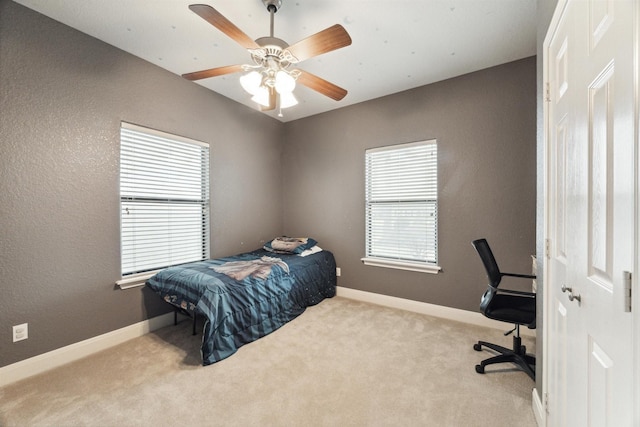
512	309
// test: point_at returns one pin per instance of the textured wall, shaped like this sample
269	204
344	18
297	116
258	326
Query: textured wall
63	95
485	124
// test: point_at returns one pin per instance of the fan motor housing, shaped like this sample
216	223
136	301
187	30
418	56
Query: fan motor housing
272	42
271	47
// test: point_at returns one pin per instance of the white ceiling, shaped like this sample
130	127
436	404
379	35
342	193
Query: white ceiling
397	44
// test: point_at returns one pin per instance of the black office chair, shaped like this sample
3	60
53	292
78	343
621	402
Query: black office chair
510	306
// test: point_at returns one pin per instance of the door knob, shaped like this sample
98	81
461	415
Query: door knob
565	289
575	297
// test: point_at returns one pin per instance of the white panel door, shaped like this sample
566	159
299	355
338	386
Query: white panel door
609	86
591	213
568	389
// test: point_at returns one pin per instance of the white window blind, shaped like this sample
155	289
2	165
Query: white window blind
164	199
402	204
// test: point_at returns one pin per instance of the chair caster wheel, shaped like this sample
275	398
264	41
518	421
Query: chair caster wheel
480	369
477	347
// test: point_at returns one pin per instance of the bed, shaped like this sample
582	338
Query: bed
247	296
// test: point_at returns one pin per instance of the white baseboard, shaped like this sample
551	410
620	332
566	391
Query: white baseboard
538	409
61	356
472	317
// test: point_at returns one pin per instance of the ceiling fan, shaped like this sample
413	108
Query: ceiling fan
269	79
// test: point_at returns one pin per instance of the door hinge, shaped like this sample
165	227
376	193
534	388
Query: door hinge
547	244
547	92
626	278
546	403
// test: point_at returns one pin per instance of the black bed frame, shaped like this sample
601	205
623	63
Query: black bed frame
193	316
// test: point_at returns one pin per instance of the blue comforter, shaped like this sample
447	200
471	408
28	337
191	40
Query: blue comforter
246	296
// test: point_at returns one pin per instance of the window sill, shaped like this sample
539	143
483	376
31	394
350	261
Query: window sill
135	280
402	265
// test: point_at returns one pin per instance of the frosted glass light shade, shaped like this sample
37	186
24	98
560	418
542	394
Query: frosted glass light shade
261	96
251	82
284	82
287	100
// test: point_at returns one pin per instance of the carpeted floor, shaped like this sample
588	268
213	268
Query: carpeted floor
341	363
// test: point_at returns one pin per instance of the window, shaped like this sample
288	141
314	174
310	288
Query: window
402	206
164	201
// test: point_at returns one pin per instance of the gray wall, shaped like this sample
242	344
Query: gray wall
63	95
485	124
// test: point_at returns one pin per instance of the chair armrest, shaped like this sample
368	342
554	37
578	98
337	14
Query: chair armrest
523	276
514	292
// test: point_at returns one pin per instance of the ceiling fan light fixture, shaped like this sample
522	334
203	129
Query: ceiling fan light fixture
267	80
285	83
251	82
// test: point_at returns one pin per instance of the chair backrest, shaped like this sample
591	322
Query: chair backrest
490	264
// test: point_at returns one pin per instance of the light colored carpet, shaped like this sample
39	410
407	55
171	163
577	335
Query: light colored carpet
341	363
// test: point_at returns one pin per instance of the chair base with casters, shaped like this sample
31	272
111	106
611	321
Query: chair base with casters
518	355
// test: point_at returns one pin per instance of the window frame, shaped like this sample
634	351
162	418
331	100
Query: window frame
399	261
182	195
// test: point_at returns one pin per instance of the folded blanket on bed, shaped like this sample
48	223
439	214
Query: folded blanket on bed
257	268
290	245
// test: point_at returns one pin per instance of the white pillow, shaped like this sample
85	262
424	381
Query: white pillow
311	250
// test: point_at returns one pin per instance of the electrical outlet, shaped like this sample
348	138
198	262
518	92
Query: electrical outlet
20	332
338	271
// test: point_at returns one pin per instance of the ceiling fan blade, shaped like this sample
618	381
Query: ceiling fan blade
213	72
216	19
329	39
321	85
272	101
